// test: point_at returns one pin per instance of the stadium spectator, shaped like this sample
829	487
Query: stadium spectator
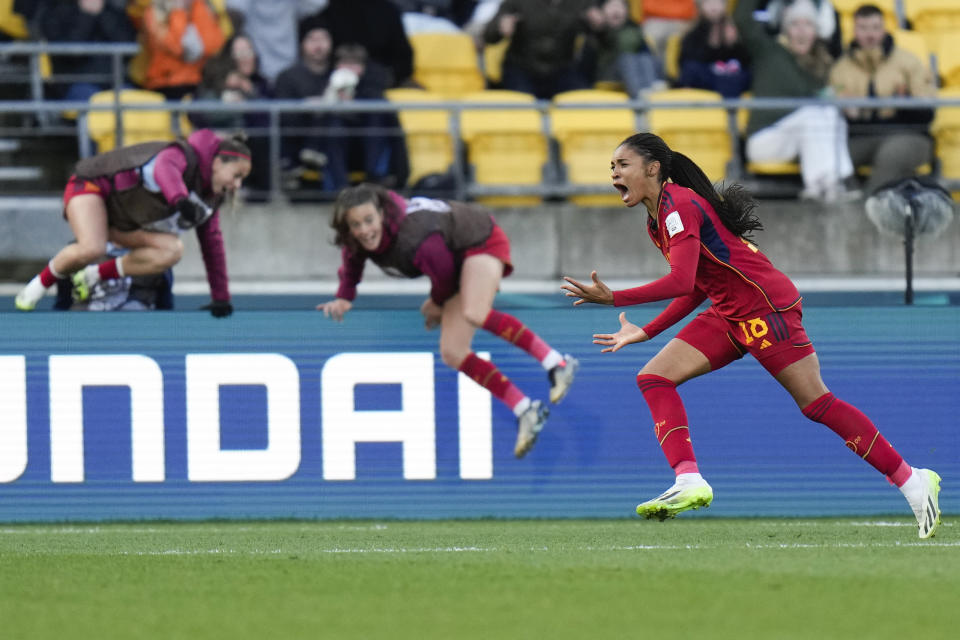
712	55
84	21
180	36
827	22
892	142
272	26
542	55
664	18
233	76
754	309
795	65
463	252
325	139
622	53
377	26
141	198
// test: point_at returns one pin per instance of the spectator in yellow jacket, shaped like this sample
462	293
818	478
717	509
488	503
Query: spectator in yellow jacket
892	142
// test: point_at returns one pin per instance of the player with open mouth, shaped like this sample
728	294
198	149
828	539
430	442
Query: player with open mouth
754	309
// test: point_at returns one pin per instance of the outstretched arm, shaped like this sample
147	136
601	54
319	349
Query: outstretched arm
350	274
684	256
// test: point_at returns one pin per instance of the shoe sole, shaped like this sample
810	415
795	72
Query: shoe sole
23	306
81	290
523	447
556	397
934	479
663	511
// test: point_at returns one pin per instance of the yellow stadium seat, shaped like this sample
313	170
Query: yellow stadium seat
12	23
763	168
505	146
427	132
703	134
493	55
446	63
913	42
588	137
933	18
946	135
138	125
671	55
948	59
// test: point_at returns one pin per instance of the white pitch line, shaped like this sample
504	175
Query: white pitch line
562	549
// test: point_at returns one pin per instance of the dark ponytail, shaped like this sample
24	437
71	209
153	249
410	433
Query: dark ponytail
734	204
234	147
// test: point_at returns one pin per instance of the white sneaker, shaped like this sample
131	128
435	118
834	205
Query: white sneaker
682	496
529	425
31	294
927	507
561	377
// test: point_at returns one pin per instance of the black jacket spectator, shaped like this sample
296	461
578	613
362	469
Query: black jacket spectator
378	27
83	21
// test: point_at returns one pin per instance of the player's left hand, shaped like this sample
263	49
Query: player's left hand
219	308
597	292
432	313
628	334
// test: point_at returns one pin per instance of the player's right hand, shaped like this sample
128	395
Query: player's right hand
335	309
628	334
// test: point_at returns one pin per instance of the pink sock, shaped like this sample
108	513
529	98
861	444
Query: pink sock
512	330
860	435
487	375
109	269
669	421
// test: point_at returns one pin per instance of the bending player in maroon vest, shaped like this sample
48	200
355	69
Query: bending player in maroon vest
441	239
755	309
144	208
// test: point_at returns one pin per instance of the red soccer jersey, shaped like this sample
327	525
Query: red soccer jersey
731	271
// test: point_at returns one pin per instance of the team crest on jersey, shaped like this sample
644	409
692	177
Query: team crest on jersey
673	223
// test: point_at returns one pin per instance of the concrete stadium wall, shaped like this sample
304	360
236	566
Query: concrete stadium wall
292	242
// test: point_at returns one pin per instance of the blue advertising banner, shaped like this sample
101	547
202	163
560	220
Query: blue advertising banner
285	414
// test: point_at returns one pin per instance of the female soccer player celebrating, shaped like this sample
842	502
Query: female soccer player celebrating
140	198
465	254
755	309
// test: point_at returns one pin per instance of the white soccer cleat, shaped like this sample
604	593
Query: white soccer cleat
927	509
31	294
682	496
529	425
561	377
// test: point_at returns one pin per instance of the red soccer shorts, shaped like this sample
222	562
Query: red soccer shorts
496	245
775	339
78	187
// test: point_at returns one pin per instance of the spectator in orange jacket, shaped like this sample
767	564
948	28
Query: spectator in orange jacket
180	35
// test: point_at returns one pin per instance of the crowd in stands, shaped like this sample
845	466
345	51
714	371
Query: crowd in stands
336	51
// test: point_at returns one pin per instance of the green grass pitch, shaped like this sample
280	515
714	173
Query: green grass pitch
693	577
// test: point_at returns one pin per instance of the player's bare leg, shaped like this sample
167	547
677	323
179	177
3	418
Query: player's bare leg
87	216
